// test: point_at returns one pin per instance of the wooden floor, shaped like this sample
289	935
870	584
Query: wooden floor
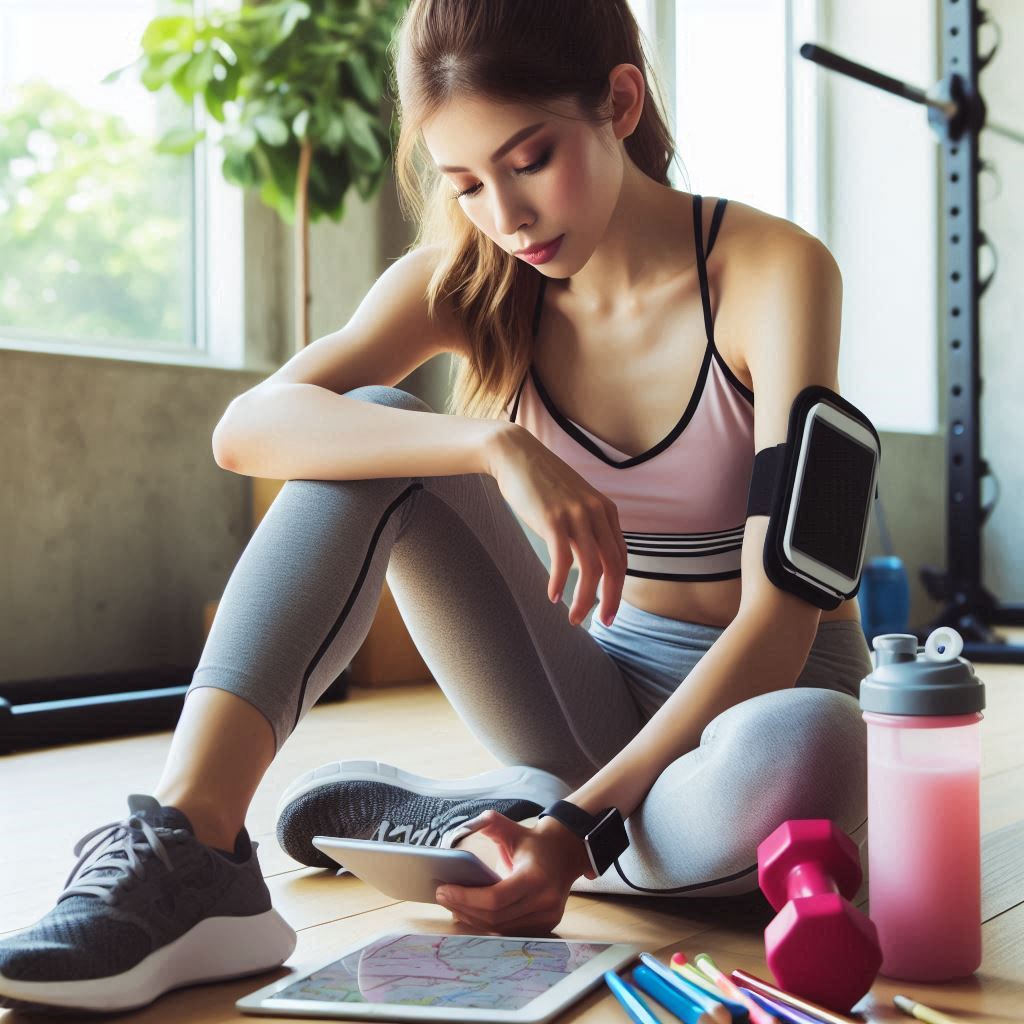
61	794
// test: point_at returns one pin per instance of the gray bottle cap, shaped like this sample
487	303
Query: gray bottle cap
928	680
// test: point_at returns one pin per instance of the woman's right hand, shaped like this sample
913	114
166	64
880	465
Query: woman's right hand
569	515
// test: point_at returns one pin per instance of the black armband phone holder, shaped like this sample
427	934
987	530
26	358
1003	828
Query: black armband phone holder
816	489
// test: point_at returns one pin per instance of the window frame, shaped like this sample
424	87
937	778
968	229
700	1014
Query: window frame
218	332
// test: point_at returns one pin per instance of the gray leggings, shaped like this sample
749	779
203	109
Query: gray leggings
532	688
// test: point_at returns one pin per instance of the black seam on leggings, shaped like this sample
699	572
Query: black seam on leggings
356	589
698	885
596	762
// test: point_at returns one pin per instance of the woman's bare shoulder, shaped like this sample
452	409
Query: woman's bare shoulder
750	246
750	227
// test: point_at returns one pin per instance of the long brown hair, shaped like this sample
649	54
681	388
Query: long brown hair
510	51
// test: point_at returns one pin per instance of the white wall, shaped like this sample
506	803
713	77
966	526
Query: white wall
881	182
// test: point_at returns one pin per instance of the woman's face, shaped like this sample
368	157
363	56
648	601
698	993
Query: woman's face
562	178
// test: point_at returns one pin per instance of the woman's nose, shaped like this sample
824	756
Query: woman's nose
511	217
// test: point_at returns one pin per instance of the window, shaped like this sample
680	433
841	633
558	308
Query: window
103	241
756	122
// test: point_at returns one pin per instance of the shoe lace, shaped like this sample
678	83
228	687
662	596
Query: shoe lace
129	844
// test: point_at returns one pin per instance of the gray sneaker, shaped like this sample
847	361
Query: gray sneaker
153	910
375	800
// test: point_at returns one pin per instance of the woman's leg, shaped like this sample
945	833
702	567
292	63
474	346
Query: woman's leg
532	688
795	753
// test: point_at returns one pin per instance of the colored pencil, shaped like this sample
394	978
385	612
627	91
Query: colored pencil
690	973
758	1014
630	999
813	1009
789	1014
711	1005
915	1009
670	997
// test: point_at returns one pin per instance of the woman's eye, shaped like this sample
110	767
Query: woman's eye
533	168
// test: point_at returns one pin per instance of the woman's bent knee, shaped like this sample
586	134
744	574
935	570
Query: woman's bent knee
381	394
803	752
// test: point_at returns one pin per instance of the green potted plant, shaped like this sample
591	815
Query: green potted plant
298	86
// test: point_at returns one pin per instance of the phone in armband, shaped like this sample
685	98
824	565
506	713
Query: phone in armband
817	489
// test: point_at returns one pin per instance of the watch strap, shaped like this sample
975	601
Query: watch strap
572	817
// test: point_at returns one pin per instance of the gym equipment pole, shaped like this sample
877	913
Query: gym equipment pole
956	111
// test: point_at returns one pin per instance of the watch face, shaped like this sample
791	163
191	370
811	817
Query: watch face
606	841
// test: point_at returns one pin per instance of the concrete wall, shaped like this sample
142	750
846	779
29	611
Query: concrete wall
117	524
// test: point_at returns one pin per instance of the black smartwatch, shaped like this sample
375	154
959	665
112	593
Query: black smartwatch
603	834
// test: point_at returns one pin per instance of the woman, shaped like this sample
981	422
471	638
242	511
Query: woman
606	399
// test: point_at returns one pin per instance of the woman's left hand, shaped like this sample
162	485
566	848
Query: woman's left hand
530	900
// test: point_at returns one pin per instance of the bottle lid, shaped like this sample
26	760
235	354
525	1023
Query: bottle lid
929	680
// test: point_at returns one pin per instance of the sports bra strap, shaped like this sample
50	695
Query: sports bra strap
716	223
702	267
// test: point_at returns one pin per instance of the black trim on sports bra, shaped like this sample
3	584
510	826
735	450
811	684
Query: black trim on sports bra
711	351
705	291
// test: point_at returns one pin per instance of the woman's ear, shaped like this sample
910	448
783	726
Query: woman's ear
627	96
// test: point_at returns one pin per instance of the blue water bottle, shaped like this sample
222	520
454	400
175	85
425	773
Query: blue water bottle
884	596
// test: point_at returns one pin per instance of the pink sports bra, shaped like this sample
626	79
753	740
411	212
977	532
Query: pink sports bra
681	504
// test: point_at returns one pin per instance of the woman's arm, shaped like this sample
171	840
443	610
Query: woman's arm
795	293
301	423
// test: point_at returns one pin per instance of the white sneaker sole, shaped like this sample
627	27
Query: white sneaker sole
216	949
513	782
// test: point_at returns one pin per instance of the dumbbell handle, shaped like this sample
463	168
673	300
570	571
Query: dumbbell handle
809	878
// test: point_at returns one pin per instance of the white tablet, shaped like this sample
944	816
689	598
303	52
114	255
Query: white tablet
412	977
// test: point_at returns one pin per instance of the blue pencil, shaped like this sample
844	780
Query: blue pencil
630	999
713	1007
671	998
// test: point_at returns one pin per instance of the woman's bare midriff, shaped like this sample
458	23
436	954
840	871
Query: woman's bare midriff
711	604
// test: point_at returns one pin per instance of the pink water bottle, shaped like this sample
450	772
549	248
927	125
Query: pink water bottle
923	712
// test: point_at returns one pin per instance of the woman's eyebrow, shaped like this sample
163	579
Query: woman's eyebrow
523	133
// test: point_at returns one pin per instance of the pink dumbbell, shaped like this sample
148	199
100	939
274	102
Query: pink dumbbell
819	945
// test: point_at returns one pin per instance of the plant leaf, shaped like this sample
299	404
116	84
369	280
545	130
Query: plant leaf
113	76
160	70
296	12
363	78
174	33
271	129
179	141
366	148
200	69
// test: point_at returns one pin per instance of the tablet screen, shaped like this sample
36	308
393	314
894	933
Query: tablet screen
483	972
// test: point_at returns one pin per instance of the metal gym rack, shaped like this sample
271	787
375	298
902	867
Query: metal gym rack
957	113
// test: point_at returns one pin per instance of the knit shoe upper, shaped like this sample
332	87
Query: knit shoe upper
145	883
373	800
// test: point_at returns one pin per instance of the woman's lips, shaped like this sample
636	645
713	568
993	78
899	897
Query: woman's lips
542	255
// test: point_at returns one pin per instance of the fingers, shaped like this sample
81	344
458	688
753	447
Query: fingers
532	923
561	562
593	536
494	900
590	572
531	911
613	562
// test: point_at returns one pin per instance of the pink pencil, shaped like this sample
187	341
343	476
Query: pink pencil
708	967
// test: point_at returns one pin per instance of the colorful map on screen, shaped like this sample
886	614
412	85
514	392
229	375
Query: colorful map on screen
483	972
